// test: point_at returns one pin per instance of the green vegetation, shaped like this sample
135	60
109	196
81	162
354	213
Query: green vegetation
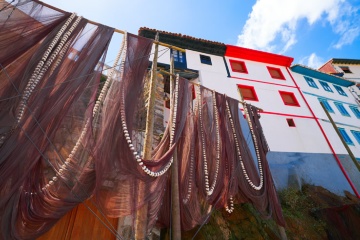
304	211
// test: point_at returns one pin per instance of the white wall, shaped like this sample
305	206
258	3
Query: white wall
355	76
163	54
258	71
348	123
355	69
305	137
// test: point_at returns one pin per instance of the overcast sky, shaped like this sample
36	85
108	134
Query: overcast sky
311	31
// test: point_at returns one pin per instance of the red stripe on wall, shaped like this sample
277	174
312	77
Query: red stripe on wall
284	114
326	139
283	85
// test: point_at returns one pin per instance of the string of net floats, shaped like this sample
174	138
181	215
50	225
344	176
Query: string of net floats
66	136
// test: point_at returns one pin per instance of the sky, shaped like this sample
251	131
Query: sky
310	31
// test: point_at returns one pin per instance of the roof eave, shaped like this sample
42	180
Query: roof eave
258	56
321	75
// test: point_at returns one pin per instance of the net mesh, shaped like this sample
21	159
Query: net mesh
64	137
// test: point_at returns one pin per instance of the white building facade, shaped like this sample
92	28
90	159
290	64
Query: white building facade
335	94
346	68
299	151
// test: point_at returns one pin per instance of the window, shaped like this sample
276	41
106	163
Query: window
289	99
326	86
326	105
290	122
179	59
276	73
342	109
248	92
356	111
238	66
178	56
356	135
311	82
345	136
340	90
345	69
205	59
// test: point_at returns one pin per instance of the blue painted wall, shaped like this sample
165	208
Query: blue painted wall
294	169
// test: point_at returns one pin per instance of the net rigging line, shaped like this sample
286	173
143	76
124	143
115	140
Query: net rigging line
111	229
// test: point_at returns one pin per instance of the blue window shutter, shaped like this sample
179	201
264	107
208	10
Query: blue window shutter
326	86
342	109
326	105
310	82
356	111
340	90
179	59
345	136
356	135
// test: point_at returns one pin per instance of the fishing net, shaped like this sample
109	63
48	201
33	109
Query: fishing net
66	136
49	82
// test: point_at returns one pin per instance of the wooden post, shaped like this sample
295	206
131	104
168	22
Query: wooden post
141	215
341	138
175	211
151	105
282	232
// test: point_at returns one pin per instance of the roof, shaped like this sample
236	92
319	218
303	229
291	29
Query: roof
304	70
345	61
258	56
185	41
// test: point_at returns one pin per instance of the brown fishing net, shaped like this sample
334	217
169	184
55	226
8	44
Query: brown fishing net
65	136
51	63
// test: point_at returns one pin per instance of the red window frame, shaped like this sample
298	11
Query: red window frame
278	70
252	89
238	62
292	95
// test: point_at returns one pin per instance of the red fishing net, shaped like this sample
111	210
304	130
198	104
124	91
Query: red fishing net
65	136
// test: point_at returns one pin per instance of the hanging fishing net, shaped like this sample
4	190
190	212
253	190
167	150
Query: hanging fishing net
49	81
66	136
